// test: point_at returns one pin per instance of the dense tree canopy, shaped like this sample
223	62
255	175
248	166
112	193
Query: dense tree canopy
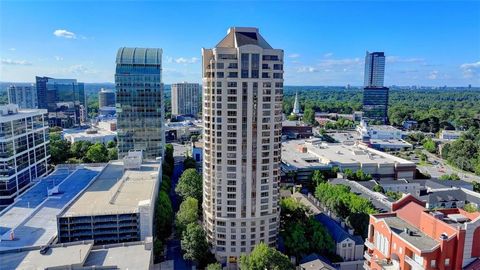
163	216
188	213
190	185
464	153
346	205
194	244
264	257
434	109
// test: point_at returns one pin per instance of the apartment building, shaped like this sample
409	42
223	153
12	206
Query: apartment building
242	115
412	237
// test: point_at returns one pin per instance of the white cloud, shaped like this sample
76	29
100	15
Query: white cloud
433	75
347	62
306	69
15	62
470	69
398	59
183	60
79	69
294	55
328	55
65	34
58	58
12	49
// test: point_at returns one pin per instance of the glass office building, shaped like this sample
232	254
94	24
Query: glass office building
140	101
24	153
64	99
375	104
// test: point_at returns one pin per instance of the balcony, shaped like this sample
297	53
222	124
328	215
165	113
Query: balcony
388	265
414	264
369	244
367	256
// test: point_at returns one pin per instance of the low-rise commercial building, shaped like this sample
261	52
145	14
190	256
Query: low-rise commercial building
182	131
32	219
296	130
302	157
411	237
117	207
80	255
93	135
24	150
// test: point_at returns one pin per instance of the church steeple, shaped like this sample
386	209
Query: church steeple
296	105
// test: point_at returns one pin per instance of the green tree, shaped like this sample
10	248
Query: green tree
112	153
319	238
194	243
295	241
189	162
378	188
190	185
318	177
59	149
111	144
394	195
79	149
157	249
264	257
476	186
188	213
292	117
429	145
163	215
309	116
167	169
214	266
470	207
97	153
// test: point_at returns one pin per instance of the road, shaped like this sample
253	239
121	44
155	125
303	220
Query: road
442	168
174	251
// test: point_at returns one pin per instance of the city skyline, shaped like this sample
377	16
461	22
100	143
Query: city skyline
324	42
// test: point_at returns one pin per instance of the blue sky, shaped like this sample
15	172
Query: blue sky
427	42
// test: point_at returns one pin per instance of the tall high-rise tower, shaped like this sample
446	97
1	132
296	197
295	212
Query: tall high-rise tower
185	98
242	112
374	69
375	95
139	101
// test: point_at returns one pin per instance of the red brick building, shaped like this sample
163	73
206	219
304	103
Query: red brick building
412	237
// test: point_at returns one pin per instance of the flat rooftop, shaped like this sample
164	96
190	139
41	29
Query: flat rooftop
22	113
133	255
321	154
383	128
417	239
116	190
123	256
392	142
33	216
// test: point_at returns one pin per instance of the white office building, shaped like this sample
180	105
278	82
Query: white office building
374	69
24	96
185	98
242	114
24	151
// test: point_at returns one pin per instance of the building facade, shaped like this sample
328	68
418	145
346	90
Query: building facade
411	237
24	96
106	98
64	99
140	101
375	95
24	150
375	104
242	114
118	206
374	69
185	98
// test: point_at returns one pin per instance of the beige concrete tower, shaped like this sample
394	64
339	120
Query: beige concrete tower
242	112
